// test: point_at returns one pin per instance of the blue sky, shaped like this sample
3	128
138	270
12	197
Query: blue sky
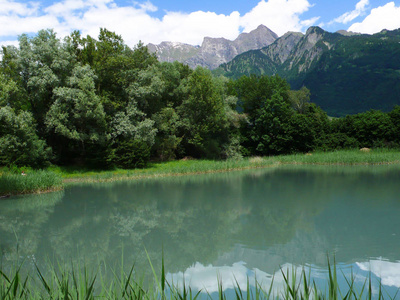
189	21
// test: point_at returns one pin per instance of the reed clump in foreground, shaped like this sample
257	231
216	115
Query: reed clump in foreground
79	283
33	181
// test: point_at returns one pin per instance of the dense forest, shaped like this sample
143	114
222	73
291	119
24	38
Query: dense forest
99	103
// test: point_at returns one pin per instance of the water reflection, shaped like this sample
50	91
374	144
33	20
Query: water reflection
388	272
265	218
210	279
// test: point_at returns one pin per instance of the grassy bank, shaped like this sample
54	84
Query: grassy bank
54	177
81	283
32	182
188	167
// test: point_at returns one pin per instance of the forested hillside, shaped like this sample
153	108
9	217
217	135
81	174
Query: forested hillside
99	103
345	74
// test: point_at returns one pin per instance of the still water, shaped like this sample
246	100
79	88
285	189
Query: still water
230	226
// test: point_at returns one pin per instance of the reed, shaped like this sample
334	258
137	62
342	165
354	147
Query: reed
189	167
32	182
79	283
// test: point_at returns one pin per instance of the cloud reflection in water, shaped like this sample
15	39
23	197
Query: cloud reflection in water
206	278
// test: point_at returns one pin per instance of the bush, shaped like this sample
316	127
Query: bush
131	154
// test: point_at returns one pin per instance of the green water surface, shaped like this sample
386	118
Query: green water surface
236	225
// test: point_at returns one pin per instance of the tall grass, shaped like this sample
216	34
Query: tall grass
33	182
187	167
79	283
38	181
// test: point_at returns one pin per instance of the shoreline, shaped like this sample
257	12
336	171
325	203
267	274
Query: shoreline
70	176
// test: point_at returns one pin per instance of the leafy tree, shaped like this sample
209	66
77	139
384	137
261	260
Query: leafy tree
41	64
300	100
19	143
131	153
265	101
132	136
370	129
77	113
11	94
204	115
309	130
167	143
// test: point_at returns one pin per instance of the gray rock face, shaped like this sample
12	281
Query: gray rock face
169	51
280	50
306	52
214	51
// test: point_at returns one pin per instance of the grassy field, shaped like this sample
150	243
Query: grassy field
54	177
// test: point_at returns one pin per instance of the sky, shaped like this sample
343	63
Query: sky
154	21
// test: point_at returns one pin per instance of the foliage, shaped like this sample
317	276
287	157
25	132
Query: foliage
99	103
19	143
204	115
77	113
130	154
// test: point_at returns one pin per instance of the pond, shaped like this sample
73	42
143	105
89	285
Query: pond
226	226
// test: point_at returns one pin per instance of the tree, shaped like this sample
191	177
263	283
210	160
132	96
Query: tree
41	64
77	113
300	100
19	143
265	102
203	115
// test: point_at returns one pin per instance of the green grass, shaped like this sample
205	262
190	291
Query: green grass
188	167
33	182
40	181
80	283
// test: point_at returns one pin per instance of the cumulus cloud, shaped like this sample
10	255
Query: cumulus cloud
135	22
359	10
388	272
382	17
280	16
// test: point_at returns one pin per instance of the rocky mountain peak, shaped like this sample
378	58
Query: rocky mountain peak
215	51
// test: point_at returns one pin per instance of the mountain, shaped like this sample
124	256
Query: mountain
170	51
213	51
346	73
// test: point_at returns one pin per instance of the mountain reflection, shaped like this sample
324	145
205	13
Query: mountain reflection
266	218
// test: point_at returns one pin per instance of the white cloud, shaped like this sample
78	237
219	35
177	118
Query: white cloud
135	22
11	8
207	278
388	272
359	10
382	17
280	16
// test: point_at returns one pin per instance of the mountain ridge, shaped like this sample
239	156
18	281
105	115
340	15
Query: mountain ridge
346	73
213	51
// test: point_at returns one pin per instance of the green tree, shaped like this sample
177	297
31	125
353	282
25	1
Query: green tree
167	143
265	101
11	94
77	114
300	100
204	115
19	143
